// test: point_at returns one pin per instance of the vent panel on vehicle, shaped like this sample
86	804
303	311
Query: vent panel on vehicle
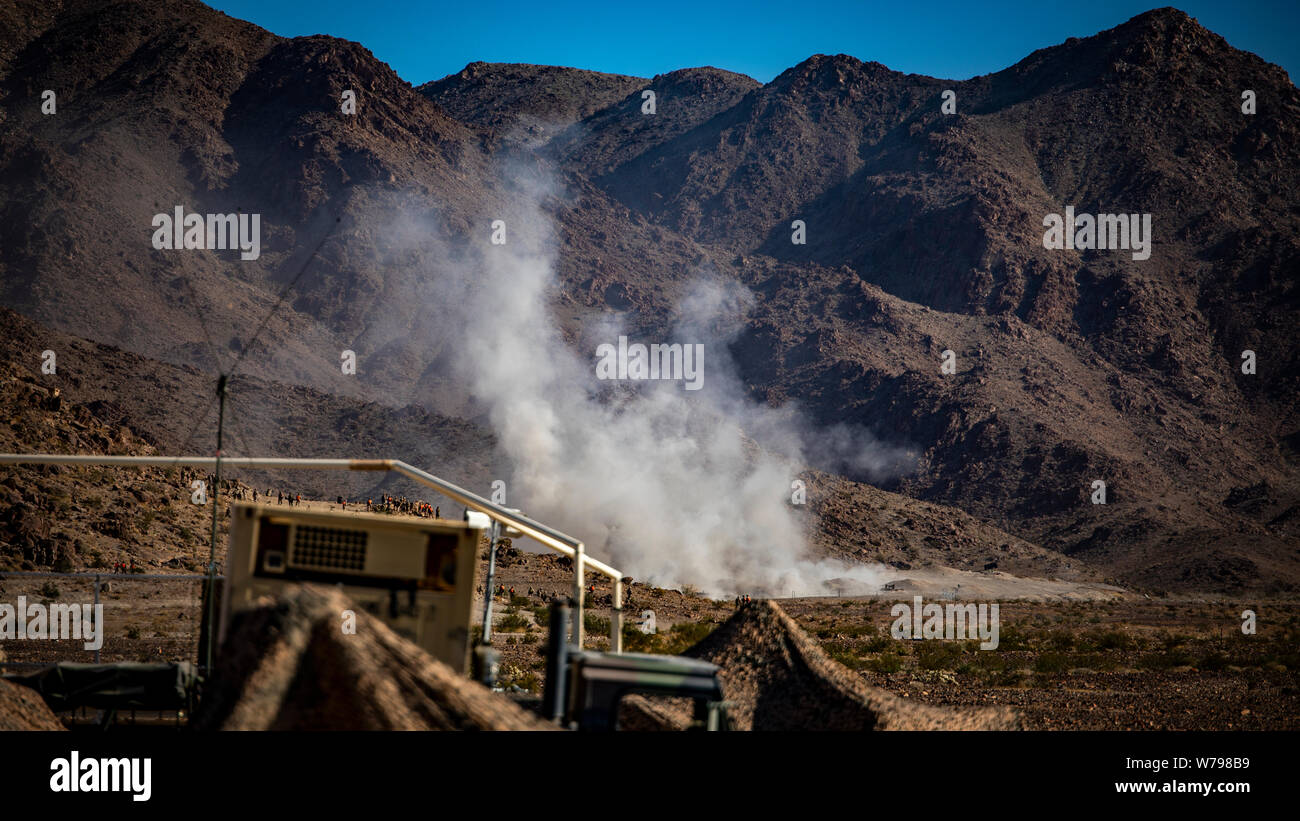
330	547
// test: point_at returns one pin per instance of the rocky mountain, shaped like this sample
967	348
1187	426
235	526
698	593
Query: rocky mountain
527	103
924	234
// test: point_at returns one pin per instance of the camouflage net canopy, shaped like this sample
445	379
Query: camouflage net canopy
777	678
289	666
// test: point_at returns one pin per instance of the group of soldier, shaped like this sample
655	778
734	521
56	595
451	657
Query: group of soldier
242	494
400	504
385	503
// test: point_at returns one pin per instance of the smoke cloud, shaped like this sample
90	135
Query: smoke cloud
673	487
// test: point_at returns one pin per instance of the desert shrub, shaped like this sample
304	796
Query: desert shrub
49	590
634	641
1214	662
1062	640
688	633
1052	663
847	658
672	642
1111	640
877	644
938	655
857	630
1001	665
1093	661
836	648
512	623
1289	660
1174	641
595	625
1165	661
885	663
1011	637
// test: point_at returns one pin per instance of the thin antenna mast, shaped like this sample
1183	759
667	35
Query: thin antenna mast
216	505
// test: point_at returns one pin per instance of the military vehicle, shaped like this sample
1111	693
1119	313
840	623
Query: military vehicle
416	575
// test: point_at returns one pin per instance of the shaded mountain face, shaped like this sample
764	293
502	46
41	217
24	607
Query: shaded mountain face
924	233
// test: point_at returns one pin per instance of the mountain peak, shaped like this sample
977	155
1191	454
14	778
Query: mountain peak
1168	29
831	70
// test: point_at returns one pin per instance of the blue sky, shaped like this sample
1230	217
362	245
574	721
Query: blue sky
954	40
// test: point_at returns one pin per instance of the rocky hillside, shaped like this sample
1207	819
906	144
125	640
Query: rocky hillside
105	400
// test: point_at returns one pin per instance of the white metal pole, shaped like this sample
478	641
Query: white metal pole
577	598
616	618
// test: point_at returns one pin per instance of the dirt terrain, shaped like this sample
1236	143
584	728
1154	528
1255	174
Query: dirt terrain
1138	664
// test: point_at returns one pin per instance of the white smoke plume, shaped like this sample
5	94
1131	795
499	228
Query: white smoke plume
673	487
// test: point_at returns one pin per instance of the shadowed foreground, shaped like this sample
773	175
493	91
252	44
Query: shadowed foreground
289	666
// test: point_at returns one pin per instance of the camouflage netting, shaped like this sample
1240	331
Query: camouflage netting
289	666
23	709
777	678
